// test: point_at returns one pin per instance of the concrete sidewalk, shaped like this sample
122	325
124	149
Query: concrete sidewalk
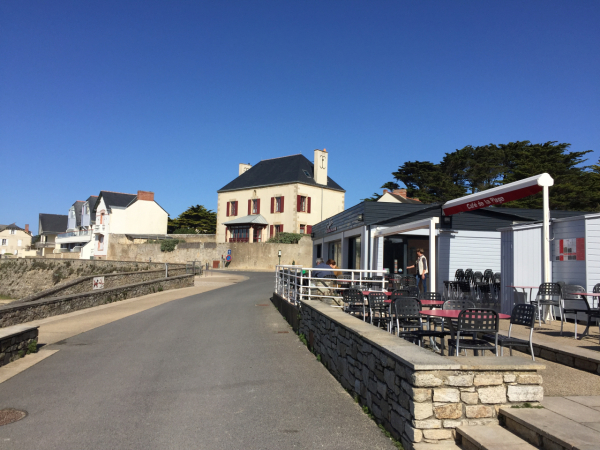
58	328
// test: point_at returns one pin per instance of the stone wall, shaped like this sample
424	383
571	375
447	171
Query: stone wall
112	280
13	314
417	395
27	276
204	248
15	341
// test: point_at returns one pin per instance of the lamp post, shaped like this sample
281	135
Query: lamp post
279	257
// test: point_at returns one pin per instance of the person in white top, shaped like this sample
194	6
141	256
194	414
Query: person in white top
422	270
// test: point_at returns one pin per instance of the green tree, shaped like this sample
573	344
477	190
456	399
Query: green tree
196	218
474	169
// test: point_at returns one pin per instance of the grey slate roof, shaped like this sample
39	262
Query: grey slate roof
12	226
284	170
117	199
78	205
53	223
252	219
91	201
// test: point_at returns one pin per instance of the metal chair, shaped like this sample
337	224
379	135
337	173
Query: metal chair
459	275
549	294
522	314
430	296
410	281
354	302
407	314
575	304
379	309
596	289
472	321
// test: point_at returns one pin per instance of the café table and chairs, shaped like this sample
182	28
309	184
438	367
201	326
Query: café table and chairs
548	296
471	321
574	302
522	314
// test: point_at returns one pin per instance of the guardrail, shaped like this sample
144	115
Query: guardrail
295	283
74	234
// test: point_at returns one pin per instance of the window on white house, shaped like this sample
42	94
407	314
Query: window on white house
277	229
303	204
233	209
277	204
13	231
19	243
255	206
4	242
302	229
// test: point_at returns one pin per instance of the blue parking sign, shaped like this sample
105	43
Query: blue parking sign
229	252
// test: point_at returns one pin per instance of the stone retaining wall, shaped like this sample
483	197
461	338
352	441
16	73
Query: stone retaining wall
112	280
417	395
13	314
14	343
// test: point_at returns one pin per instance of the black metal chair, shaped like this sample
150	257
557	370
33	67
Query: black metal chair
472	321
354	302
410	281
430	296
549	294
379	310
459	275
596	289
522	314
575	304
407	312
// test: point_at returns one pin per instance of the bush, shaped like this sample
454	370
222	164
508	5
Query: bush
168	245
186	231
287	238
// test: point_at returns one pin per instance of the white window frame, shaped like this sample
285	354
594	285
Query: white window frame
4	241
254	207
277	204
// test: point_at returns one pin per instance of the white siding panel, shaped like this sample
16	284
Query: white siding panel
527	260
507	271
473	250
592	252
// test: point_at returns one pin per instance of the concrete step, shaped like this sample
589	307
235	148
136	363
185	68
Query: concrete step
491	437
442	445
551	430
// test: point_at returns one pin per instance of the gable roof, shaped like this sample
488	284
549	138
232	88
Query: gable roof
401	199
53	223
12	226
77	207
117	199
284	170
91	201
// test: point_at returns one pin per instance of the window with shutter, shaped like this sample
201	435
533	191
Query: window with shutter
282	202
308	229
308	205
272	205
270	231
258	206
228	204
249	207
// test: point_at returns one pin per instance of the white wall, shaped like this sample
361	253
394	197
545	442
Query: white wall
142	217
571	272
592	251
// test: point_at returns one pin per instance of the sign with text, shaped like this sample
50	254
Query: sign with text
98	283
569	249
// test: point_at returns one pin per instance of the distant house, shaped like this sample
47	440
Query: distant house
397	196
287	194
119	213
49	226
79	226
14	240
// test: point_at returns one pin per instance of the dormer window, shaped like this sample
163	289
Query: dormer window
307	174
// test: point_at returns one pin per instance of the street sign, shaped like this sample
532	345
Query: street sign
228	259
229	252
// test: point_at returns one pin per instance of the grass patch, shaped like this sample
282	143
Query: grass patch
527	405
5	297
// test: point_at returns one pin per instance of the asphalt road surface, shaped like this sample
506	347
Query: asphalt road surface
210	371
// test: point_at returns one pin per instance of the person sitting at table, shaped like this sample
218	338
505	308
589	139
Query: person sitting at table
321	265
331	263
325	290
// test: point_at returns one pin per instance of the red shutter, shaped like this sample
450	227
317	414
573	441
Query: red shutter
236	208
270	231
281	204
249	207
281	226
272	205
258	206
308	227
308	205
298	203
228	209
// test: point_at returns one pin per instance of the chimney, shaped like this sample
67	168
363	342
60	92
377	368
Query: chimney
26	228
243	168
385	191
145	195
320	166
400	192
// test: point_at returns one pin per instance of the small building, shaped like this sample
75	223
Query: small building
49	227
119	213
14	240
386	236
397	196
287	194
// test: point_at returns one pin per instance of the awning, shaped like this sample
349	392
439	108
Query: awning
256	219
498	195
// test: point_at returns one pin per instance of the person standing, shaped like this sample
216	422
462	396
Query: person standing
422	269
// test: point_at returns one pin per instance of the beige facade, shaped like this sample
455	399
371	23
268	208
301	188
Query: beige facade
14	241
287	207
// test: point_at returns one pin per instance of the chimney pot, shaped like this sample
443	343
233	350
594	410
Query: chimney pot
385	191
400	192
26	228
145	195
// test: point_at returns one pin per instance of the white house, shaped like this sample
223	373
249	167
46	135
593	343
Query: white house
118	213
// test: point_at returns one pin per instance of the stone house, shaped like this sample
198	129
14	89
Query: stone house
287	194
14	240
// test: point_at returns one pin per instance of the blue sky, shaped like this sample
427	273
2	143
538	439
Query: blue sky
170	96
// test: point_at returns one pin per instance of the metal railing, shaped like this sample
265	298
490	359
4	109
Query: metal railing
44	244
295	283
74	234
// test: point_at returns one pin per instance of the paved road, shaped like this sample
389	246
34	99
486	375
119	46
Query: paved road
210	371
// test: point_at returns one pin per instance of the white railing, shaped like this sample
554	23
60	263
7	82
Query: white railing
295	283
74	234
